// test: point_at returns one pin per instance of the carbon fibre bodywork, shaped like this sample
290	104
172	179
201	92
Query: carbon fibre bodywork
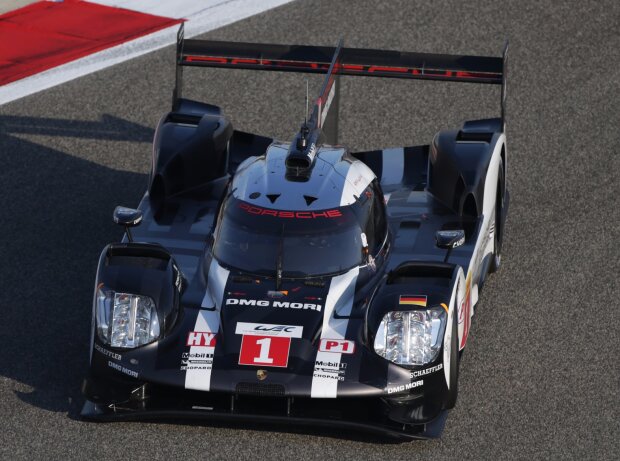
278	347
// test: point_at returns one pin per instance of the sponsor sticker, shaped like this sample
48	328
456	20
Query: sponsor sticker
427	371
268	329
405	387
274	303
247	302
122	369
255	210
329	369
320	374
340	346
197	356
196	366
196	361
412	300
107	353
201	338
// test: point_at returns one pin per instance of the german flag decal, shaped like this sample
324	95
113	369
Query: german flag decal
413	300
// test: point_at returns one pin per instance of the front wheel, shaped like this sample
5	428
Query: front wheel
454	363
496	258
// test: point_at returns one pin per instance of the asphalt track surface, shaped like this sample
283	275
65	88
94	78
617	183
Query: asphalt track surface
540	376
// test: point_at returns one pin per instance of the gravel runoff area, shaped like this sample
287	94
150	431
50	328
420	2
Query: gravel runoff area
540	375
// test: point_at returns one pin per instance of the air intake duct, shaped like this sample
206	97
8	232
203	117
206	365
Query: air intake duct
301	160
302	153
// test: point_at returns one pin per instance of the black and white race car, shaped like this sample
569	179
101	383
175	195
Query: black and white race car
299	282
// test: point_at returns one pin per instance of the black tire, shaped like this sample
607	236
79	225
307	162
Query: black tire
496	258
453	392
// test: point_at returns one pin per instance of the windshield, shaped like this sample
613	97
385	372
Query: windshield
307	243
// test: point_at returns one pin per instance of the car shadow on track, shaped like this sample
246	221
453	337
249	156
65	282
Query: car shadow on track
338	434
56	212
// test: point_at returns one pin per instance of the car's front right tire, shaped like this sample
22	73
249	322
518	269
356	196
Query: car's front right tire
453	377
496	257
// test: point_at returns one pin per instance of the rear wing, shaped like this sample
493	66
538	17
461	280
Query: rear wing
337	61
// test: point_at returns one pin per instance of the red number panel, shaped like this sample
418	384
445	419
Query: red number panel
264	351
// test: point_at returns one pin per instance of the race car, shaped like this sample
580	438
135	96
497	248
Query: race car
300	282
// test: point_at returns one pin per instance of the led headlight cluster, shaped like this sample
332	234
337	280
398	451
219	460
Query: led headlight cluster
126	320
411	337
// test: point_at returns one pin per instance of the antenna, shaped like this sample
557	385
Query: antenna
306	114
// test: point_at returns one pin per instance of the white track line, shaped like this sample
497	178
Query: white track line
167	8
203	17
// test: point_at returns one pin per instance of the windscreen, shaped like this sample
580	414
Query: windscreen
307	243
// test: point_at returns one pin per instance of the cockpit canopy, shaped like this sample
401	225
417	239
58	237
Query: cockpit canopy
303	243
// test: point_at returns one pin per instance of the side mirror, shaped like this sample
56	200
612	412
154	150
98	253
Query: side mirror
128	217
450	238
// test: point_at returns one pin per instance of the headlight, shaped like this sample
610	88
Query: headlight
126	320
411	337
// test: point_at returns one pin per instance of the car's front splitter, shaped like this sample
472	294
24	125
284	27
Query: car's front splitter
285	414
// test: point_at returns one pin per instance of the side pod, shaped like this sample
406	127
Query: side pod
189	150
458	162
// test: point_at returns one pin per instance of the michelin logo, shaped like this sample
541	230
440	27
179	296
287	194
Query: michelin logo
265	303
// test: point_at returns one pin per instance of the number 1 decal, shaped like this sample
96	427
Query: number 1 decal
271	351
263	357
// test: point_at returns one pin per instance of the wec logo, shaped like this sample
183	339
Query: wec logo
267	329
274	328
